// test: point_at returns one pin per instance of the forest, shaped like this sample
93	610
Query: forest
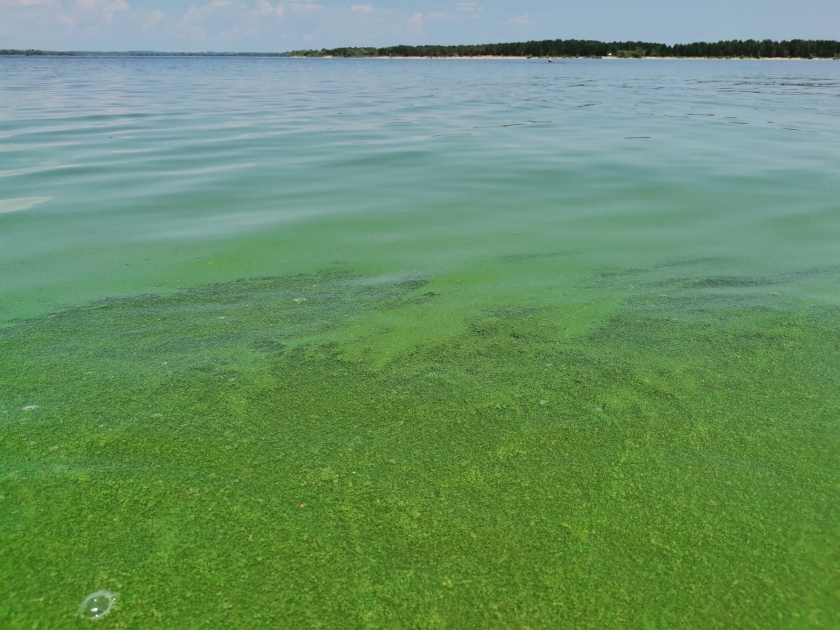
797	48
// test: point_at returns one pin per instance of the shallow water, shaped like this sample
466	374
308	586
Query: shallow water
368	343
153	175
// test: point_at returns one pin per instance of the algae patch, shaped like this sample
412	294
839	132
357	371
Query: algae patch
676	463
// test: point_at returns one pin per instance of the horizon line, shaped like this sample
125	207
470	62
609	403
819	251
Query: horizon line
569	48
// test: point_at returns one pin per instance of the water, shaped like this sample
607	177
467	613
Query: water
574	325
153	175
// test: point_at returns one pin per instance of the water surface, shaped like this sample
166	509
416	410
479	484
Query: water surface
450	343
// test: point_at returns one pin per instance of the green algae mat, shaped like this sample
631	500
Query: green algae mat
231	456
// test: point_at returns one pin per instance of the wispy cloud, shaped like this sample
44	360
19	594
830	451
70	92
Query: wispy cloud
154	19
522	20
103	5
105	8
362	8
267	9
227	20
302	8
30	3
415	25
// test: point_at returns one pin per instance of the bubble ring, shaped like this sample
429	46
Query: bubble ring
98	604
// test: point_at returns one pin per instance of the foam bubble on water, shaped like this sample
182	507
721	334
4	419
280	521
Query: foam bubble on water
98	604
31	407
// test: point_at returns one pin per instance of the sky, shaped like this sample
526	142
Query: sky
279	26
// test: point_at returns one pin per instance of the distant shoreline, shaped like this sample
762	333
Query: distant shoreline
576	48
513	58
556	49
82	53
108	55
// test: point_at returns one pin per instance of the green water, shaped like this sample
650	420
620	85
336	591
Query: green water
422	344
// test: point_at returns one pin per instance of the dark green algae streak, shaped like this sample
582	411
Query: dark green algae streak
230	457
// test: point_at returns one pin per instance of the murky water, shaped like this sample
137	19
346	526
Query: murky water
265	316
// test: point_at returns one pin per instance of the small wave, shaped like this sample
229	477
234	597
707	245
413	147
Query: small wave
11	148
212	169
35	169
22	203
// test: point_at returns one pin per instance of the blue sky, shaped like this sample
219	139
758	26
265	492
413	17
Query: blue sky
276	25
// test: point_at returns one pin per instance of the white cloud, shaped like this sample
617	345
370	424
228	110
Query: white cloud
266	8
522	20
30	3
228	24
154	20
227	20
67	15
414	26
106	7
299	8
102	5
190	23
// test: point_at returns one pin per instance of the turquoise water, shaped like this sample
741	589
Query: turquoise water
416	343
165	173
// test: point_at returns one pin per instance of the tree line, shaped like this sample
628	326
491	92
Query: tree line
32	52
796	48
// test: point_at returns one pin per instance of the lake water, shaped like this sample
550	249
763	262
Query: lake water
419	343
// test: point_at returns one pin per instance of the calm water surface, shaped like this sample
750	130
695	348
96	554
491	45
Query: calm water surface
122	176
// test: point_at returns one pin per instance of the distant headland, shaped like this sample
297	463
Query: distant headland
794	49
748	49
131	53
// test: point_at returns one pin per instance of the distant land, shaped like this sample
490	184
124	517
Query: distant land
797	48
752	49
130	53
